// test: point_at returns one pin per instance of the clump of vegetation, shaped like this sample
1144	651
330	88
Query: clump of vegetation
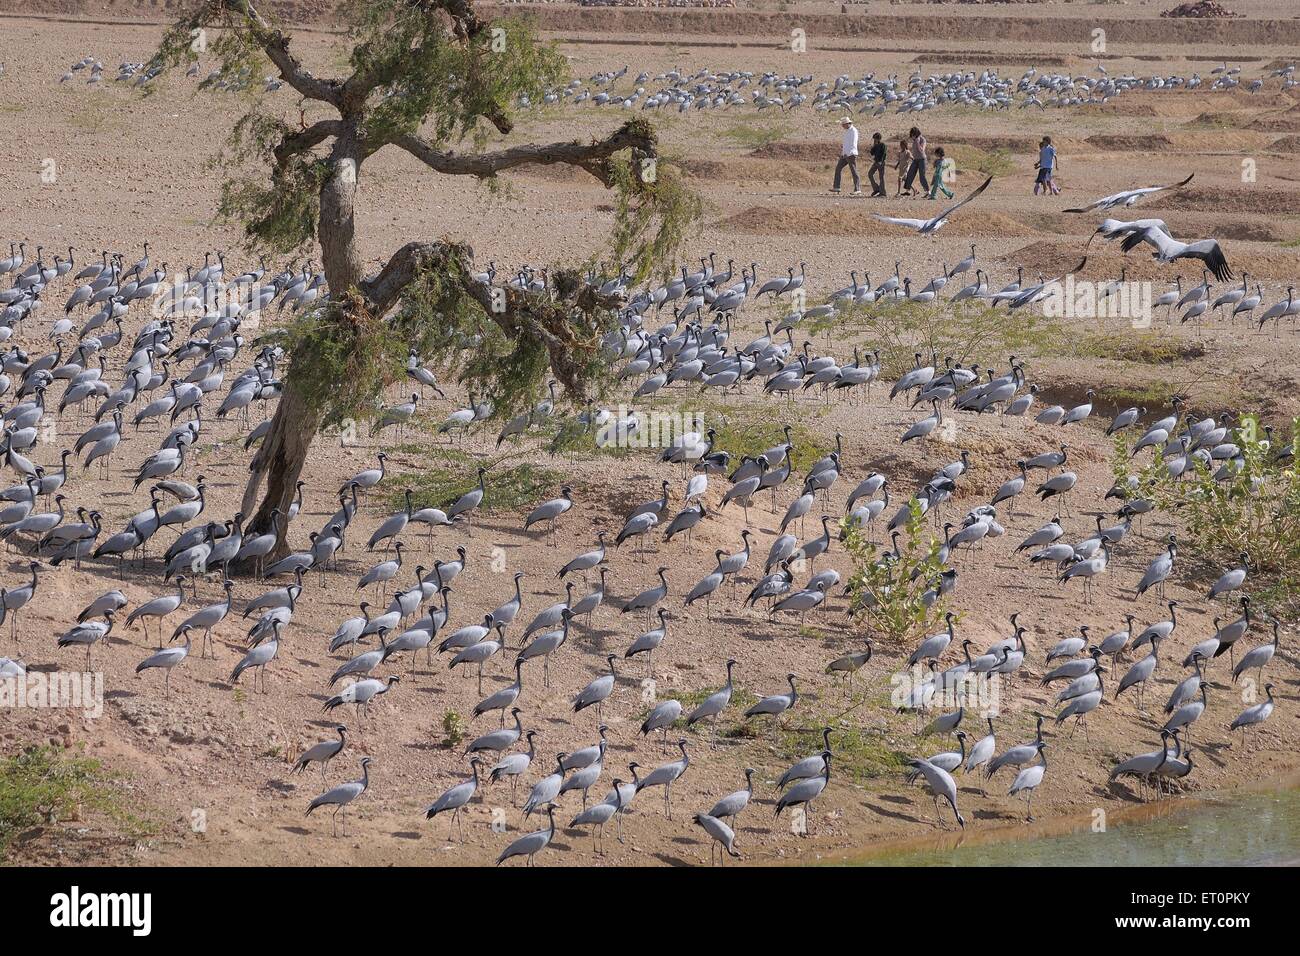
46	785
861	754
731	725
508	490
1256	511
453	728
424	78
968	332
1146	348
756	131
889	590
742	434
997	162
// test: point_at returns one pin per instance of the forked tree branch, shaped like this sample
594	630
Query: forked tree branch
302	140
592	156
517	313
276	46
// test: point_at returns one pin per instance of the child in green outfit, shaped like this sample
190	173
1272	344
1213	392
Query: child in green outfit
942	164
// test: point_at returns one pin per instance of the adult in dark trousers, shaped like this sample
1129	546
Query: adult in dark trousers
848	157
918	162
876	174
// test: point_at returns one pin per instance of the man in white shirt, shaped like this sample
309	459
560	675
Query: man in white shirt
848	156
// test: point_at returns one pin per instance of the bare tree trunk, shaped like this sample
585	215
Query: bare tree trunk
279	461
283	453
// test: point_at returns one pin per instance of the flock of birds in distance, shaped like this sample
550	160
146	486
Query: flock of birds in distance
988	90
187	381
703	89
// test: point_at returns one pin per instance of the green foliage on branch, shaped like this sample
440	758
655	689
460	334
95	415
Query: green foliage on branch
655	213
1255	510
888	590
426	74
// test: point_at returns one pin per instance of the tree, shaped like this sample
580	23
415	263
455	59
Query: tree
426	75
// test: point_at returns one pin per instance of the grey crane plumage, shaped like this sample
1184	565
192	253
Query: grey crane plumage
166	658
530	844
339	797
597	691
514	766
498	740
601	813
713	705
361	694
322	753
722	837
665	775
1257	658
455	799
1028	780
1256	714
941	785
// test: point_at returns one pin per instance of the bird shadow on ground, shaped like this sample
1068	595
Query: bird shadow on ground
297	831
114	694
282	786
422	745
670	860
893	814
406	835
1212	752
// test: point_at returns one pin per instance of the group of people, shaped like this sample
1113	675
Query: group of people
912	163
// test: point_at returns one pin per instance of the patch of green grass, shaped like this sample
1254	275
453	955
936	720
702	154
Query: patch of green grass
860	754
509	489
968	333
742	433
1291	243
95	116
570	437
1151	395
995	162
1146	348
731	725
756	131
46	785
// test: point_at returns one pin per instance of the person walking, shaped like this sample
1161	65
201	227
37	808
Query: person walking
917	148
904	163
848	157
876	174
942	167
1046	166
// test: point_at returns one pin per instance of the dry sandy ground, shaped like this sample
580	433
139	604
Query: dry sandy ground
131	169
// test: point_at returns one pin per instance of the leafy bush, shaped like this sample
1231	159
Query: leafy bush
44	785
888	591
453	725
507	490
1257	510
